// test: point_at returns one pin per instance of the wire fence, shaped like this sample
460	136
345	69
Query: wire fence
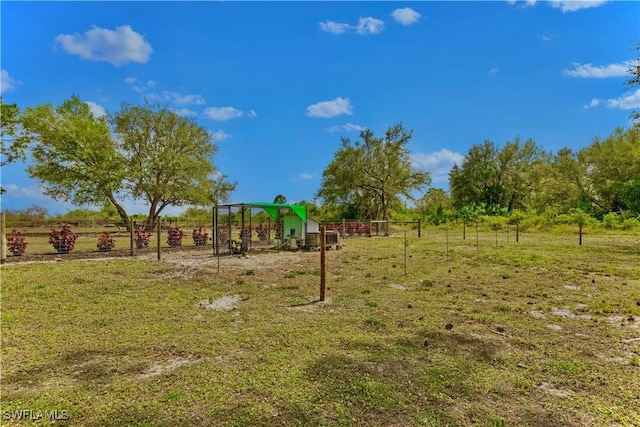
381	248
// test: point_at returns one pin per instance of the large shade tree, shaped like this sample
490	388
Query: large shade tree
500	178
373	174
153	154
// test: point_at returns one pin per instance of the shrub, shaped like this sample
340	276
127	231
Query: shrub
200	237
141	237
16	242
262	230
64	240
223	234
106	242
175	237
245	235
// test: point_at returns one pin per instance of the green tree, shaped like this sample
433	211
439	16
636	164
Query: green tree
169	158
501	178
372	175
75	157
280	199
156	156
563	184
221	189
614	170
435	206
13	140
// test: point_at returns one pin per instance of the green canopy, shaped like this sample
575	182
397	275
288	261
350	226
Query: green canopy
272	209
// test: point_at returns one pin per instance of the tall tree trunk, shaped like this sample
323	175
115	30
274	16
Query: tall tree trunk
121	212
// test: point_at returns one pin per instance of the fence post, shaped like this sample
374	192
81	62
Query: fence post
131	231
3	240
159	235
580	233
419	229
406	243
323	262
446	236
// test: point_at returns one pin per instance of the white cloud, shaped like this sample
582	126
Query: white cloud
174	97
348	127
493	71
369	25
181	99
334	27
627	102
598	72
332	108
138	85
227	113
523	4
303	176
117	46
96	109
219	135
573	5
594	103
406	16
184	112
439	163
7	83
564	5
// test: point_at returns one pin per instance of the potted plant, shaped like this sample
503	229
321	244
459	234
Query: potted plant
64	240
223	234
263	232
141	237
175	236
200	237
245	234
106	242
16	242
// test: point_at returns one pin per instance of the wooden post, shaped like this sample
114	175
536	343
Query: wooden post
159	235
446	236
3	239
581	234
477	238
131	231
323	262
405	252
517	232
419	230
464	230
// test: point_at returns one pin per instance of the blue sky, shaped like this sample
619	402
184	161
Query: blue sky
279	83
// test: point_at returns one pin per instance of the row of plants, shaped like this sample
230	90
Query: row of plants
262	230
64	240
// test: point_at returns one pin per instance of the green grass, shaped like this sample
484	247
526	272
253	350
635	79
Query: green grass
124	342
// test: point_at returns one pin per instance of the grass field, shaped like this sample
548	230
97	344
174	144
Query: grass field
539	333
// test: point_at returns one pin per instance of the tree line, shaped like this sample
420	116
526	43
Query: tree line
151	153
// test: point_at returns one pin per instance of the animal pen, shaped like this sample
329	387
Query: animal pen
242	227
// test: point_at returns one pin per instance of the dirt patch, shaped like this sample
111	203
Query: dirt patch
226	303
547	388
160	368
565	312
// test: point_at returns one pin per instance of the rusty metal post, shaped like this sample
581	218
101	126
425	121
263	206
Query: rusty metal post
159	235
131	231
323	262
3	238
